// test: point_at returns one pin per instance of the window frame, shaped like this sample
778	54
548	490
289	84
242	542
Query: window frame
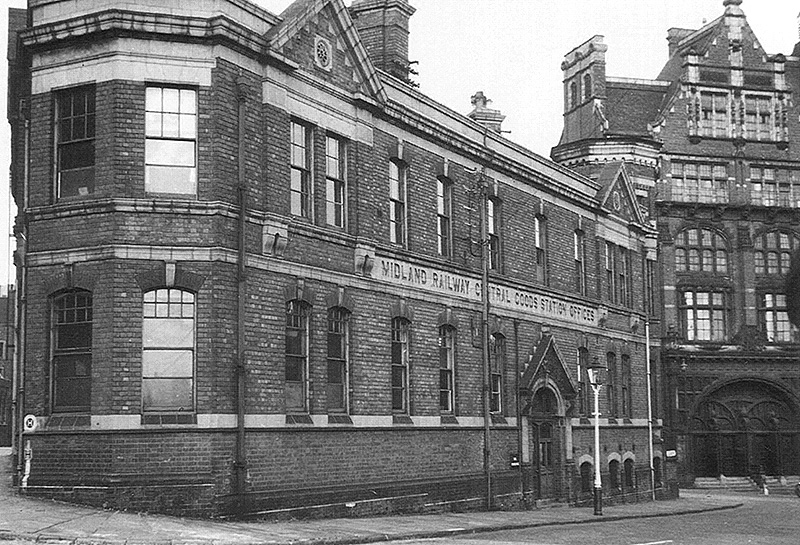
398	202
701	250
336	182
401	365
444	210
71	363
768	255
717	313
540	248
447	365
153	309
298	322
339	317
301	159
87	95
151	139
497	365
773	318
579	254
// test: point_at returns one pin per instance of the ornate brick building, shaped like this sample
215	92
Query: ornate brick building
713	145
252	258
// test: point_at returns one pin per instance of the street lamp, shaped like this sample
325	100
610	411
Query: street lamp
597	375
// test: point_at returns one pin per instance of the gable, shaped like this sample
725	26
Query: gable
617	194
546	364
320	37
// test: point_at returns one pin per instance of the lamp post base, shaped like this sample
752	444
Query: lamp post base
598	501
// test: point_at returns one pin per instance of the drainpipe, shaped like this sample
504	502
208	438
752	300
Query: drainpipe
487	383
240	464
18	388
519	408
649	407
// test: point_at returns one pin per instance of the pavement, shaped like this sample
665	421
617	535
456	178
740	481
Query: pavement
25	518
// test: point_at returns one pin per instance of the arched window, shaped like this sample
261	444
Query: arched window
497	353
773	252
447	361
296	377
613	475
338	359
586	477
573	94
701	250
168	349
587	86
629	473
72	351
400	361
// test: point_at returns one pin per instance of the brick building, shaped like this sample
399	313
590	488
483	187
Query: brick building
713	147
251	264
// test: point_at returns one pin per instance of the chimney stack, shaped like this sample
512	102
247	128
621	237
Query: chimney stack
383	28
481	114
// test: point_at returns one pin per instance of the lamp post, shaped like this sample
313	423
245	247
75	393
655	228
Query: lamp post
597	375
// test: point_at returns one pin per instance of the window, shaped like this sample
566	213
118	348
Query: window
583	380
301	170
545	445
587	479
629	473
493	227
774	319
715	114
623	277
627	387
701	250
338	356
72	351
774	187
444	209
611	386
579	254
497	364
75	134
611	267
168	349
758	117
335	176
650	287
573	94
699	182
397	203
540	241
704	315
773	252
613	475
400	362
587	86
296	393
171	138
447	347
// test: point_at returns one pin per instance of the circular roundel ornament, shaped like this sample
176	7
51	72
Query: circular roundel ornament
793	290
323	54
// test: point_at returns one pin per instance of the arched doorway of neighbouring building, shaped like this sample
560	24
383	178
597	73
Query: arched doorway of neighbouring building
745	427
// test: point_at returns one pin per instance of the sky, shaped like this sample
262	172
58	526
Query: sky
512	51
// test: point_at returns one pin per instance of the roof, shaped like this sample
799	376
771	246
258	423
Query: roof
632	104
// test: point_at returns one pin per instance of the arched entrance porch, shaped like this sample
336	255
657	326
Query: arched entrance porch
745	427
